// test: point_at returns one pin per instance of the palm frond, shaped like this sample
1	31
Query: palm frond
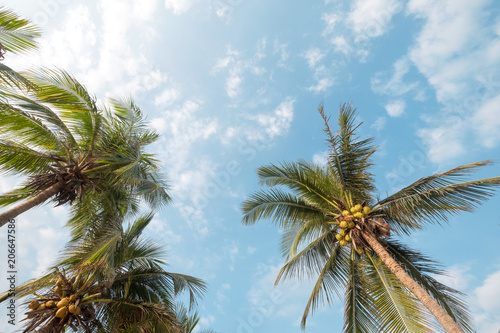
349	156
420	268
432	199
17	35
398	310
282	207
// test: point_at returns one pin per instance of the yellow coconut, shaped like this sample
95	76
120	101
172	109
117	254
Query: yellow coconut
33	305
59	282
358	207
73	297
62	303
366	210
58	290
342	232
62	312
50	304
31	314
77	311
343	224
343	243
359	215
350	225
345	213
353	209
338	236
347	238
72	308
42	306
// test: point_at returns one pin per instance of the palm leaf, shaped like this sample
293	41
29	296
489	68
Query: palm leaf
432	199
17	35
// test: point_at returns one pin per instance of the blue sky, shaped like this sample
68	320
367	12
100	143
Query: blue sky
232	85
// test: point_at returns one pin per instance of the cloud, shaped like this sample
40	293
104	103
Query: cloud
396	108
454	52
279	121
379	124
320	158
178	7
488	295
391	82
351	31
371	18
313	56
321	86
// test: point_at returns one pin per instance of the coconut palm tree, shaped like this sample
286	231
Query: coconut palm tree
189	320
70	148
111	282
18	36
336	229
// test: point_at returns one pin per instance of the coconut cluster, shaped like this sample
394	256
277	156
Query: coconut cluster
348	221
64	305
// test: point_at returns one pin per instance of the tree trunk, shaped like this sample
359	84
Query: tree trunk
30	203
441	315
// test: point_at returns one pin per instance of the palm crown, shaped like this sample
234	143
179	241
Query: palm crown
116	279
68	146
334	229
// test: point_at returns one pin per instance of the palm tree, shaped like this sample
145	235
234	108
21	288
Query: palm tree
116	280
189	320
18	36
70	148
334	228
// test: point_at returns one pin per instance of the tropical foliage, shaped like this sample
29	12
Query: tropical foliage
17	35
71	148
116	280
330	218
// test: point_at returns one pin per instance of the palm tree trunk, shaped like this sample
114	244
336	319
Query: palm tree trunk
30	203
442	316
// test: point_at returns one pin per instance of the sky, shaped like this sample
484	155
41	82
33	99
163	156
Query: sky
232	85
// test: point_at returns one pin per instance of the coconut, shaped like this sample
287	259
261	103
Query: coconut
58	290
351	225
366	210
62	312
343	243
353	209
50	304
347	238
345	213
343	224
359	215
73	297
342	232
338	236
59	282
360	251
42	306
30	314
358	207
33	305
77	311
72	308
62	303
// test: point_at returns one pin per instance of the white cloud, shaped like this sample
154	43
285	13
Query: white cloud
281	50
379	124
251	250
313	56
321	86
371	18
443	143
178	7
486	121
455	52
279	121
167	97
488	295
320	158
392	84
396	108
